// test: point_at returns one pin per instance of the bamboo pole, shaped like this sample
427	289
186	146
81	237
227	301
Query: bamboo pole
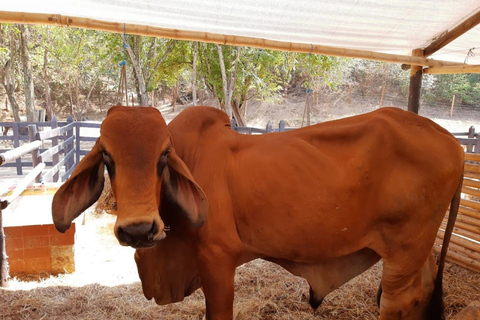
465	233
381	98
472	175
471	204
4	268
471	183
475	168
461	241
466	227
471	191
451	109
18	152
469	212
461	260
459	249
117	27
469	220
472	157
466	68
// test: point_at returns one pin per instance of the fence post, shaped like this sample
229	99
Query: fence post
16	144
4	268
269	126
281	126
471	135
69	147
32	135
56	156
77	140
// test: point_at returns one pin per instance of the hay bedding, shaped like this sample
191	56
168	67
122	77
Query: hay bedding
106	286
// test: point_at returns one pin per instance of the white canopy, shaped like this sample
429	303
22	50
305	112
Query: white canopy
356	28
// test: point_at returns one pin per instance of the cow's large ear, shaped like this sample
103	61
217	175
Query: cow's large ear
80	191
184	191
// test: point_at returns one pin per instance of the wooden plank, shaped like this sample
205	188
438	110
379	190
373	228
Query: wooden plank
452	34
462	232
232	40
20	151
471	183
469	167
461	260
474	231
470	204
25	182
55	132
466	243
469	212
472	175
54	170
471	191
469	220
460	249
453	69
48	154
472	156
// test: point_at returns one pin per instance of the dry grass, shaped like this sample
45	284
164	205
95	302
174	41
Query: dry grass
106	286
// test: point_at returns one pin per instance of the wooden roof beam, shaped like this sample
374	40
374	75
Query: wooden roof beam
116	27
453	69
451	35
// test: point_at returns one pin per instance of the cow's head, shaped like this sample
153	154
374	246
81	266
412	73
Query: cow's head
136	148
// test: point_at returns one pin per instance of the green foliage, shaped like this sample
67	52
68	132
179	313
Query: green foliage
465	87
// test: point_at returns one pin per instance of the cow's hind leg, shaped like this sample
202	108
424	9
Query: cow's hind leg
406	288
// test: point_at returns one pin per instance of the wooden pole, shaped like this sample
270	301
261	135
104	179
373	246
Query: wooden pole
32	134
350	93
4	268
415	84
453	103
381	98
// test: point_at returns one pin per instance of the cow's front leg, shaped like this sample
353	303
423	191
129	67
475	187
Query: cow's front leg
217	272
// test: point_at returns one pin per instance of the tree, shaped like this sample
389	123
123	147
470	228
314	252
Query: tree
27	72
7	75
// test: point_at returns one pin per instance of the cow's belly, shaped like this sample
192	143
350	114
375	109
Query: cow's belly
304	219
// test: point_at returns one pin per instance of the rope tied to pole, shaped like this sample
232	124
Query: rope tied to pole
308	91
122	87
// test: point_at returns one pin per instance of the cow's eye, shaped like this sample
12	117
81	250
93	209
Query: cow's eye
109	163
106	157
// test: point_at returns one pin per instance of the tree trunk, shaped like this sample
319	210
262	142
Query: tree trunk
27	73
48	100
194	76
144	97
174	96
8	77
228	107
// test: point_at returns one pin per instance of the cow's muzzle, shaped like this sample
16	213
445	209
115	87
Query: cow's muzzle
140	234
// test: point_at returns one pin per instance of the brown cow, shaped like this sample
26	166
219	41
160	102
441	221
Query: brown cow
326	202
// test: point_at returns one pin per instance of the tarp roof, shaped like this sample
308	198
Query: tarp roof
371	26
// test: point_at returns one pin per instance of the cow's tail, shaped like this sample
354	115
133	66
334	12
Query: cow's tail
435	308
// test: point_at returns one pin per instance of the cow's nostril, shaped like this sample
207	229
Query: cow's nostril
123	236
153	231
